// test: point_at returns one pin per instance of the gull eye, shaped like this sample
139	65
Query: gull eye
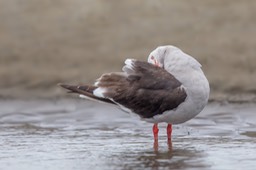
152	57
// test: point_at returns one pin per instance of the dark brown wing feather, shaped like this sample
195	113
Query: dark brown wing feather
145	89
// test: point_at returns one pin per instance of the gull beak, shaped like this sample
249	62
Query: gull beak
156	63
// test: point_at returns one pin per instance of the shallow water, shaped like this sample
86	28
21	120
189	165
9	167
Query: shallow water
78	134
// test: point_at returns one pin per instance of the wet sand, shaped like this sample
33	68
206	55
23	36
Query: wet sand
78	134
44	43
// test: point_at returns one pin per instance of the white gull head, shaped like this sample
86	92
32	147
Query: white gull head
168	55
188	71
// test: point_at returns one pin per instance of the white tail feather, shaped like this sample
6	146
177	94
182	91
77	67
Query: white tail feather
99	92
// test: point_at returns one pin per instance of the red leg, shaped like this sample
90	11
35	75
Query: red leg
169	131
169	136
155	131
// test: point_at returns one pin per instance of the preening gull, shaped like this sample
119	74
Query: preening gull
171	87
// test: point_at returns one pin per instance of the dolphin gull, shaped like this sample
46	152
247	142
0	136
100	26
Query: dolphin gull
171	87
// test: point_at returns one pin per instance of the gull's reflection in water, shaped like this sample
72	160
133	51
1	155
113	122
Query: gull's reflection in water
155	145
168	159
169	145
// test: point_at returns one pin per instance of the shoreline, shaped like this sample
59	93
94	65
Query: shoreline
62	95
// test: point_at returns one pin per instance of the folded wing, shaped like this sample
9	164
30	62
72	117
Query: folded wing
143	88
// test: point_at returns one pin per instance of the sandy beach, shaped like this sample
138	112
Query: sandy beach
44	43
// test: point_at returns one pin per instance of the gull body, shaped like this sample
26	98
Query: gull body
170	87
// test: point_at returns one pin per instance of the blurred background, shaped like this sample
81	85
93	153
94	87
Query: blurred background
46	42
